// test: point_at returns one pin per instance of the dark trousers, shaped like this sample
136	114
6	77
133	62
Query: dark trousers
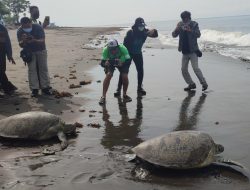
6	85
138	60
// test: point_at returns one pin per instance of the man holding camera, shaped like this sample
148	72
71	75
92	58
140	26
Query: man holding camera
115	56
34	16
32	38
188	32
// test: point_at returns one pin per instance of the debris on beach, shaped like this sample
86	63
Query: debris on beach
244	59
56	76
88	48
63	94
82	110
91	115
99	81
48	152
73	71
73	77
74	86
92	111
16	103
85	82
94	125
95	59
78	125
216	123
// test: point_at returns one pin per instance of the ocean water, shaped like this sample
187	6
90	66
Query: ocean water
228	36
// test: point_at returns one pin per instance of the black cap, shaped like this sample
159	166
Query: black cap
140	22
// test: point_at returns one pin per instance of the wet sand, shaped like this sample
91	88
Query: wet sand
95	158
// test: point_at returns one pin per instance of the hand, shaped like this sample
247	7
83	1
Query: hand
12	61
31	39
27	38
107	63
152	33
119	62
178	26
187	28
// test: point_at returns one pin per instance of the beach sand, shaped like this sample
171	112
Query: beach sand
95	158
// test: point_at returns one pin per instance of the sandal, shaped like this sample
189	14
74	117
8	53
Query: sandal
102	100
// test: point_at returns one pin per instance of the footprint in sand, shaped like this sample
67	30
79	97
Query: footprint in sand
101	177
81	178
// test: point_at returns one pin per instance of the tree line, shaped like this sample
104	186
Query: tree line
11	10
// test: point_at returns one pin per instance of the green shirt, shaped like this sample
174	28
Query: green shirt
122	54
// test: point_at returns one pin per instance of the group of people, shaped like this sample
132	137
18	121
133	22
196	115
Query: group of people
31	38
120	56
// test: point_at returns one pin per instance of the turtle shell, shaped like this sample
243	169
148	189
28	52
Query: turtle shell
178	150
30	125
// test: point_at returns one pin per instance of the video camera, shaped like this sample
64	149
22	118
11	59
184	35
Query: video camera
114	62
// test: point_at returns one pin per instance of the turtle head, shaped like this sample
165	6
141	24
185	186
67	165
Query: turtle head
219	148
69	129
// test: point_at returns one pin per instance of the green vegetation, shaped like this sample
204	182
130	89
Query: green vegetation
11	10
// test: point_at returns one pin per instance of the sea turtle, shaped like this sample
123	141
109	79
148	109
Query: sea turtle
36	126
184	150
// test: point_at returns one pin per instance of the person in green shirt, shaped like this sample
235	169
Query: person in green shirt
114	56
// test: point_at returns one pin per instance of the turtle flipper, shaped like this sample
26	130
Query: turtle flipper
130	157
64	143
233	165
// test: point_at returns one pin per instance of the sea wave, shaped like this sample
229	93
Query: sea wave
231	44
227	38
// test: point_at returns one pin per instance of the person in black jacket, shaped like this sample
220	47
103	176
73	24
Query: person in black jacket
5	50
134	41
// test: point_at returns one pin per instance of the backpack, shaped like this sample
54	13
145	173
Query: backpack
26	55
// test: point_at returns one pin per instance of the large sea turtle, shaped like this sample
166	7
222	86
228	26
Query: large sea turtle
36	126
184	150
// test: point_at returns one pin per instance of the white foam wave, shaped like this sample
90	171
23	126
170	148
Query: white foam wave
231	44
227	38
167	39
101	40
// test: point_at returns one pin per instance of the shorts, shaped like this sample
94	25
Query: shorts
124	69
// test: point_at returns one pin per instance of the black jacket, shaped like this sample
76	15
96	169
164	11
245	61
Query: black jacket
7	44
134	34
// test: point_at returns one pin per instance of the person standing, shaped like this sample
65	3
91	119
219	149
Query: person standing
32	38
34	16
115	56
188	32
133	41
5	50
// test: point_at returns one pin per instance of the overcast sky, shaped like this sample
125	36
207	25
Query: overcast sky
107	12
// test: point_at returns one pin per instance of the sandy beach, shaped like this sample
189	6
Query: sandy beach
95	158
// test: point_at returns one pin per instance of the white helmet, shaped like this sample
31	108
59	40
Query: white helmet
112	43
